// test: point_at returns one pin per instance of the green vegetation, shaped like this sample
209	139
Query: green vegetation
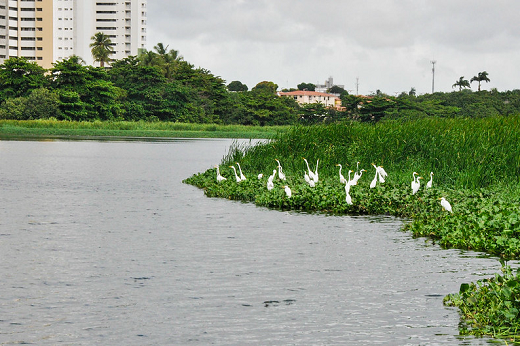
490	306
55	128
160	85
476	165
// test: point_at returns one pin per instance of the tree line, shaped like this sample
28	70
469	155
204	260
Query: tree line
159	85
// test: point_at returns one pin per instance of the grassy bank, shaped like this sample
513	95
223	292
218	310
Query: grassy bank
476	165
54	128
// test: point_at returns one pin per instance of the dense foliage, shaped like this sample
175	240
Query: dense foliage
161	86
490	306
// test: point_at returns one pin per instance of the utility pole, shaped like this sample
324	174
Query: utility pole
357	85
433	75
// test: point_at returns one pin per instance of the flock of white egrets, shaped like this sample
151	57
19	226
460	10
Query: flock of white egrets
312	178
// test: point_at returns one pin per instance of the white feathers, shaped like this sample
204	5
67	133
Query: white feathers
430	182
380	174
341	177
219	177
242	176
416	184
445	204
288	191
238	179
281	174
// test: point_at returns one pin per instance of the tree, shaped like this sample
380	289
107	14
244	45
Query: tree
462	83
337	90
18	77
166	60
237	86
70	74
143	84
481	77
412	92
101	48
266	86
306	86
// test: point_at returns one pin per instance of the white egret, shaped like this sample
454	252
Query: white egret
219	177
306	177
382	174
260	176
271	177
242	176
316	172
414	180
348	184
288	191
270	185
374	182
416	186
430	182
445	204
281	174
348	199
312	183
357	176
341	177
350	180
311	173
236	175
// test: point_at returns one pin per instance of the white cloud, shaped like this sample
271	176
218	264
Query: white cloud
388	44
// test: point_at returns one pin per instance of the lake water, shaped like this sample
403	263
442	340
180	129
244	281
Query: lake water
102	244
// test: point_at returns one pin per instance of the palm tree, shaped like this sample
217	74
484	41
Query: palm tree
461	83
101	48
148	58
482	77
168	59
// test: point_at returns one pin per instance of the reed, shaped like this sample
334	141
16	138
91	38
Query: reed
463	153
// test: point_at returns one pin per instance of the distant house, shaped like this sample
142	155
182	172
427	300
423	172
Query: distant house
304	96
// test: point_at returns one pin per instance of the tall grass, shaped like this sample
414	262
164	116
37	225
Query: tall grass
463	153
52	127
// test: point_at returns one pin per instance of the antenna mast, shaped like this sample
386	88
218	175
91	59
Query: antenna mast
433	75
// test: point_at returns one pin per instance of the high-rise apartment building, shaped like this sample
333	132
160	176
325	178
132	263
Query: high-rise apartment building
46	31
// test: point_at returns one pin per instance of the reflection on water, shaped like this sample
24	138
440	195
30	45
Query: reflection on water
101	244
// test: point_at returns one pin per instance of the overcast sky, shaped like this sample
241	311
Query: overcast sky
387	44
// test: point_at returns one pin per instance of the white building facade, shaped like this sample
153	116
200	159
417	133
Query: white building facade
46	31
304	96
